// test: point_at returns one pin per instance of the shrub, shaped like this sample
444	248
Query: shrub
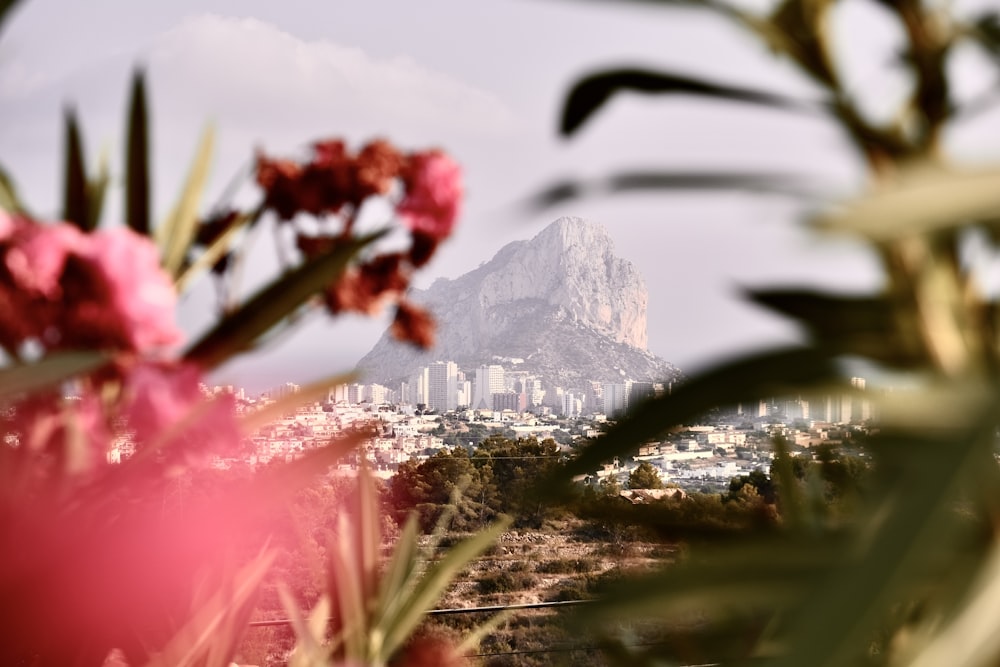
505	582
566	566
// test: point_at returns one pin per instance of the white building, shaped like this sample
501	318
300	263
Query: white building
614	396
442	386
489	380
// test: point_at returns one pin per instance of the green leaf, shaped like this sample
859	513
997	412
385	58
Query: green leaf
796	28
215	251
238	331
923	199
176	234
137	159
319	621
867	326
985	30
216	626
640	181
971	637
310	393
9	199
76	208
590	93
433	585
369	537
346	589
309	646
397	579
759	573
49	372
915	519
96	190
5	7
774	373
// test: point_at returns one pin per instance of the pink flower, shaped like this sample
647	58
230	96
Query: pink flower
164	405
433	194
74	290
140	294
37	255
71	434
6	225
413	325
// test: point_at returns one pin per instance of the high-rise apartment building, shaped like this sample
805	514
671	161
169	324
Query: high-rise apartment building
571	404
614	399
489	381
508	400
464	394
442	386
418	387
639	392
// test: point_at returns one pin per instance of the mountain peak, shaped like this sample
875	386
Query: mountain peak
563	302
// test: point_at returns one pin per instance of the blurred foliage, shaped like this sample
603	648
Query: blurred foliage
903	573
147	557
368	612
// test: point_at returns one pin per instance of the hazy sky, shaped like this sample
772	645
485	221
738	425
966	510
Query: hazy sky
485	81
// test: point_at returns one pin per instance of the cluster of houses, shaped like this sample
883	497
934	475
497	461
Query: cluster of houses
693	457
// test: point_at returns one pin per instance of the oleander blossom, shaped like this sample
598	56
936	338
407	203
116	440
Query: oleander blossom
37	255
413	324
332	179
70	434
70	290
164	405
433	194
140	293
6	225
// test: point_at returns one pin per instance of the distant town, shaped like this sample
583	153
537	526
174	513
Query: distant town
443	407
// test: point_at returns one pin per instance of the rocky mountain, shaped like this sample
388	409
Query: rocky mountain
562	302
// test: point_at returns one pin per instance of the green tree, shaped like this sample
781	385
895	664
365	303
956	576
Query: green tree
645	476
758	480
430	486
516	465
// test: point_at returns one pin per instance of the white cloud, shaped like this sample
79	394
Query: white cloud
244	68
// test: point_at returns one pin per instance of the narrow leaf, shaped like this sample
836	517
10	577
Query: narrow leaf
397	578
96	190
709	589
867	326
175	235
49	372
369	538
238	331
9	199
5	7
346	587
214	252
768	374
277	485
590	93
433	585
76	208
926	198
641	181
987	31
310	393
971	638
319	619
137	159
212	622
307	643
918	516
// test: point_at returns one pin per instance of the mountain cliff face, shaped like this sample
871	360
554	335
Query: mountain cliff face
563	302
